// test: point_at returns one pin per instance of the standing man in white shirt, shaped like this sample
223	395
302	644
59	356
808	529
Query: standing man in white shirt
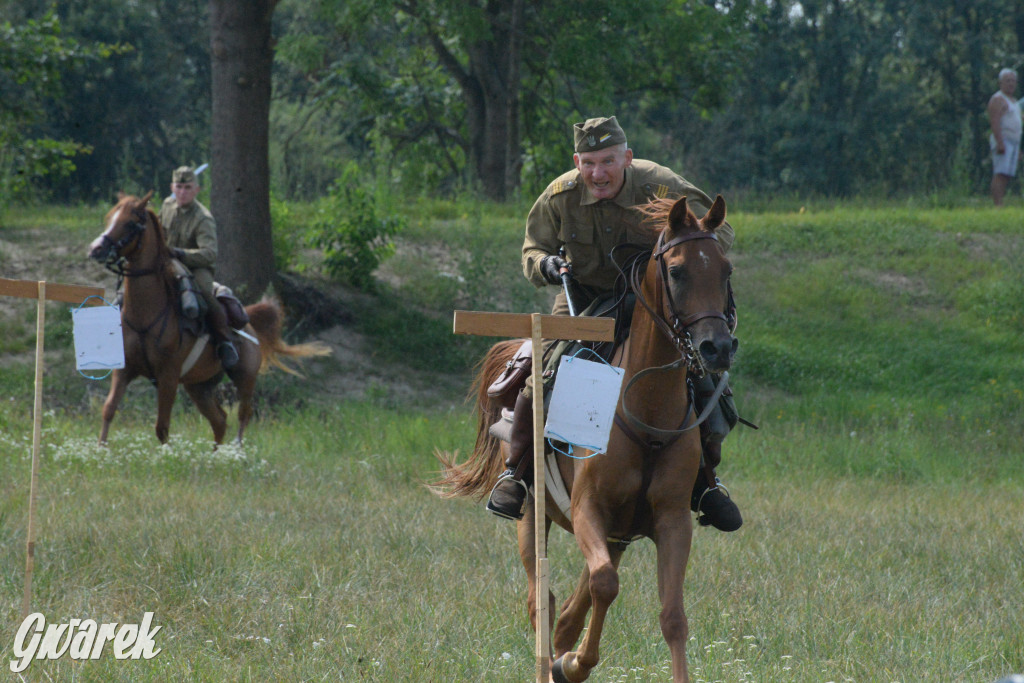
1005	122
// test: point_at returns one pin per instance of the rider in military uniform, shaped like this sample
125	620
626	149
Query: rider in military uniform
587	211
192	237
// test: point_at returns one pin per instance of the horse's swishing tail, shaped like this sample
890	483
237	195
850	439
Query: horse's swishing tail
265	318
475	477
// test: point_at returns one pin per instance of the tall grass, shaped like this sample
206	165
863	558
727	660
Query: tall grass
880	354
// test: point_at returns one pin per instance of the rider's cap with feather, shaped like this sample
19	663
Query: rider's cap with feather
595	134
183	174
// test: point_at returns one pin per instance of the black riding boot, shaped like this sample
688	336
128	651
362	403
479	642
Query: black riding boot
712	503
217	320
509	494
228	354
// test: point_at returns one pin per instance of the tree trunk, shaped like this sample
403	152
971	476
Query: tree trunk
242	55
490	86
495	67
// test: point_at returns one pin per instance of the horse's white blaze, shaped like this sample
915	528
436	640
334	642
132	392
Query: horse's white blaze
704	258
113	221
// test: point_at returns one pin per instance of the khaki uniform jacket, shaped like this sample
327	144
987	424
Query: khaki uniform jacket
193	230
566	214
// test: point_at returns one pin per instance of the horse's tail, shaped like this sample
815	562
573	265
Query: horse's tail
476	476
266	320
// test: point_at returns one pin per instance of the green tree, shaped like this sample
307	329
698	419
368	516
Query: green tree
33	56
454	88
143	111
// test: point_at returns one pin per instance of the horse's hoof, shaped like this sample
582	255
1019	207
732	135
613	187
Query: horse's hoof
557	672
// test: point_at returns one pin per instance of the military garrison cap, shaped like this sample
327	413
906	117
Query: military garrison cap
183	174
595	134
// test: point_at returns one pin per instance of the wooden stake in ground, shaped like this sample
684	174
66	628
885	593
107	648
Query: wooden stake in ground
538	327
29	289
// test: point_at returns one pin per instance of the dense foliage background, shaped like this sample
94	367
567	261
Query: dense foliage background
823	97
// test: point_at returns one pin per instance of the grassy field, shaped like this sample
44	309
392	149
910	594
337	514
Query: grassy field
881	353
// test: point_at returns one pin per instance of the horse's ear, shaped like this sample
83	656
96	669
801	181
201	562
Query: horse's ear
120	195
677	216
145	200
715	215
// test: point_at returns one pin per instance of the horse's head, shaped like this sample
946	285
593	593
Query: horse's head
694	274
126	224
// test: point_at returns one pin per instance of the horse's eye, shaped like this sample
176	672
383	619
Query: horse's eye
677	273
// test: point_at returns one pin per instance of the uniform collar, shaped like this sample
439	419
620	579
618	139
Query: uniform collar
624	198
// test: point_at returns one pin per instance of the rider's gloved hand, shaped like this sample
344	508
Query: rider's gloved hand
178	253
550	267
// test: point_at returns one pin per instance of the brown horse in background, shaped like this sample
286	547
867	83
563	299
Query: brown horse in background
641	486
157	344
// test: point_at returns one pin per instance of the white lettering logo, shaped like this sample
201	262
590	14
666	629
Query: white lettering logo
82	639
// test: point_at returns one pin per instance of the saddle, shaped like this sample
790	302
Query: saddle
237	317
511	381
192	304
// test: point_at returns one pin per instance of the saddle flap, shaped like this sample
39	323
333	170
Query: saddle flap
512	379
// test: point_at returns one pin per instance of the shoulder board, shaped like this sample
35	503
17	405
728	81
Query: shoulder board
560	186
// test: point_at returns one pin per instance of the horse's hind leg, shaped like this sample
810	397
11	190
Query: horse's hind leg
245	383
118	385
166	392
528	555
205	398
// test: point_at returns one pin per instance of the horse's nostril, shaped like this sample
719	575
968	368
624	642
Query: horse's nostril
708	350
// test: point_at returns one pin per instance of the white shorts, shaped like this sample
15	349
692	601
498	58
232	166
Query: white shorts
1005	163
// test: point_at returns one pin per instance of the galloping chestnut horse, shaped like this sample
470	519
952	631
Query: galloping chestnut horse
641	486
156	345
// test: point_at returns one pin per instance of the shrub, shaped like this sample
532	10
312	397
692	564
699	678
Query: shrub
353	230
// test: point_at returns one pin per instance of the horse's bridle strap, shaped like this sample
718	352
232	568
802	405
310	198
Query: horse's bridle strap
661	248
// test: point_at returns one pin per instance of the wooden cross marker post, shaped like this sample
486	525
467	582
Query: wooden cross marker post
31	289
538	327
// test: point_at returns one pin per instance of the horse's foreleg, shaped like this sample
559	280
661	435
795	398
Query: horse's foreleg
672	537
118	385
573	615
603	584
574	611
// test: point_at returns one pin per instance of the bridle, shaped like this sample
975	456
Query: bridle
117	259
677	329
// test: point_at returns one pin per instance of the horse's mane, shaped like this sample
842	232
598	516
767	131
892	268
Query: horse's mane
656	213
